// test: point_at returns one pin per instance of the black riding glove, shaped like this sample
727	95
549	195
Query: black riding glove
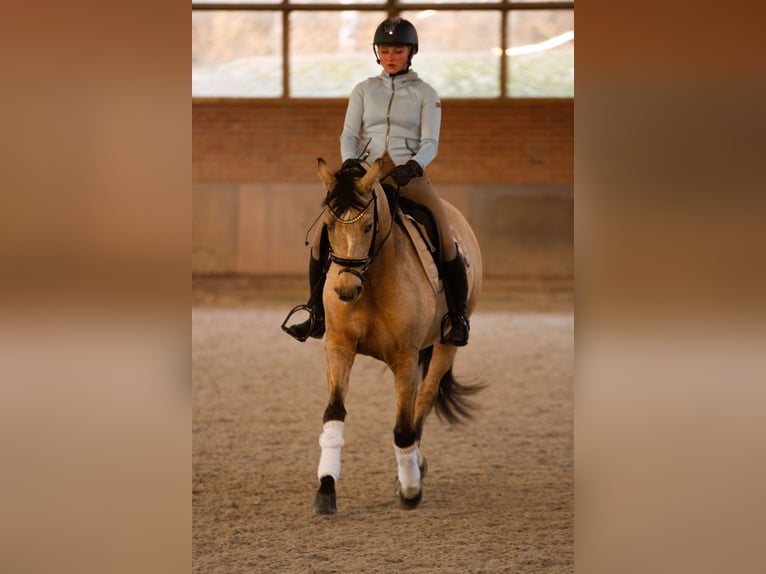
402	174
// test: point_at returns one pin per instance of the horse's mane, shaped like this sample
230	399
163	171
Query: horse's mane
344	195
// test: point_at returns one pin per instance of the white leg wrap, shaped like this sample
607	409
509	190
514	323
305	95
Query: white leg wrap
331	441
408	469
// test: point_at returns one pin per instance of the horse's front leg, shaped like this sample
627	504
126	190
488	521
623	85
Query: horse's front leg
339	362
409	461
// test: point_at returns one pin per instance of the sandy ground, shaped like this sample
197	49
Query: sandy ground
499	493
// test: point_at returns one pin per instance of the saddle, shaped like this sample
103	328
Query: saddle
420	226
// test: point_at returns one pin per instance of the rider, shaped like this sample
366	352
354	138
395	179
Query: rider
397	116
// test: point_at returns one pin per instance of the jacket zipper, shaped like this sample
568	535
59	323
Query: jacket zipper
388	112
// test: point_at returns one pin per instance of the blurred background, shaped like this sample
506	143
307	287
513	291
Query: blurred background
96	211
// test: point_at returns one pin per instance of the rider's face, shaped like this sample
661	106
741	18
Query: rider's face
393	58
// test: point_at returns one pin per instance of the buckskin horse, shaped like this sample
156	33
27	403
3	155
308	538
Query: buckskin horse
379	301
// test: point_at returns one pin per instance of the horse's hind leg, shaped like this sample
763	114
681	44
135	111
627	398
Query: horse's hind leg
408	457
439	361
339	361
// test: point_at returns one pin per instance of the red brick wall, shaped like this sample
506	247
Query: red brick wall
482	141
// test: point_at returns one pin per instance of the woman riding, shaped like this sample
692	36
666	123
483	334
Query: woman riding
396	116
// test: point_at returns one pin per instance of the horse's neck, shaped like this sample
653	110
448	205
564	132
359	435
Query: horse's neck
385	217
391	251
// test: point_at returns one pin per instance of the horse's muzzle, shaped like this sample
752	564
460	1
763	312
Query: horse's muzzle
349	297
353	272
350	289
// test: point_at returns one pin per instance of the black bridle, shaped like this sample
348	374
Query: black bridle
358	266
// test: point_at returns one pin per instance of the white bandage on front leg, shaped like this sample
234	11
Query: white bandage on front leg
408	469
331	441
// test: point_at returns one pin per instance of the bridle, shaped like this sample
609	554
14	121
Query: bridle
358	266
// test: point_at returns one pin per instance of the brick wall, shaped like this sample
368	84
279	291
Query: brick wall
507	165
482	142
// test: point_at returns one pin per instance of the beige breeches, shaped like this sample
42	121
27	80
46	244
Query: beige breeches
421	191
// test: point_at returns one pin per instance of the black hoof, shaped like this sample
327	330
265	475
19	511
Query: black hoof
324	501
324	504
408	503
411	503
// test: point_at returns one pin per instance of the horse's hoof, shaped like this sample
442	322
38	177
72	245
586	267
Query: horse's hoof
411	502
324	501
324	504
407	502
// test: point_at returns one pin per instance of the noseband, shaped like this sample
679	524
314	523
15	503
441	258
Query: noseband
358	266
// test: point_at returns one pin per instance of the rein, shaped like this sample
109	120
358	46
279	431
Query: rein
350	265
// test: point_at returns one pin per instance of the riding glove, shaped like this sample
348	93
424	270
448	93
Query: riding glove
402	174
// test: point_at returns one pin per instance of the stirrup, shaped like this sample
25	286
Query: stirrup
453	338
315	327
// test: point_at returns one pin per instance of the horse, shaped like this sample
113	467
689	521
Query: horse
380	302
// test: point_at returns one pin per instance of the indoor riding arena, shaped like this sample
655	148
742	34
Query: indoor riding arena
498	495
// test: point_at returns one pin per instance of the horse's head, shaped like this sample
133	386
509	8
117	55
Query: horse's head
353	217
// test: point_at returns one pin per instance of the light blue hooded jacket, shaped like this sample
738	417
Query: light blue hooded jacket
400	114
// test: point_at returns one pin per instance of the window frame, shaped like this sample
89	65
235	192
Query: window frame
393	8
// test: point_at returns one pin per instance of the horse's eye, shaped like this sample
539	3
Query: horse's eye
368	228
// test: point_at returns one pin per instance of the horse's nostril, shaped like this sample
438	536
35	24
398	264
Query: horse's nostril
348	296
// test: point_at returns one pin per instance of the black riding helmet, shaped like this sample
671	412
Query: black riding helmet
395	31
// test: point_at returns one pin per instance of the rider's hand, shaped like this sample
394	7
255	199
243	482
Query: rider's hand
402	174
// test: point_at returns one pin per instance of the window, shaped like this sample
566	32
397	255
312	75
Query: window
541	53
237	54
322	48
330	51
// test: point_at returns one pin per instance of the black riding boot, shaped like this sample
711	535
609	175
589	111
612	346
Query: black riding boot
314	325
456	293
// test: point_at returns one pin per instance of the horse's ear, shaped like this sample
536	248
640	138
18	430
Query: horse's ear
372	175
327	176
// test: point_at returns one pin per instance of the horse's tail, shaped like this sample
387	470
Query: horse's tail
452	403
